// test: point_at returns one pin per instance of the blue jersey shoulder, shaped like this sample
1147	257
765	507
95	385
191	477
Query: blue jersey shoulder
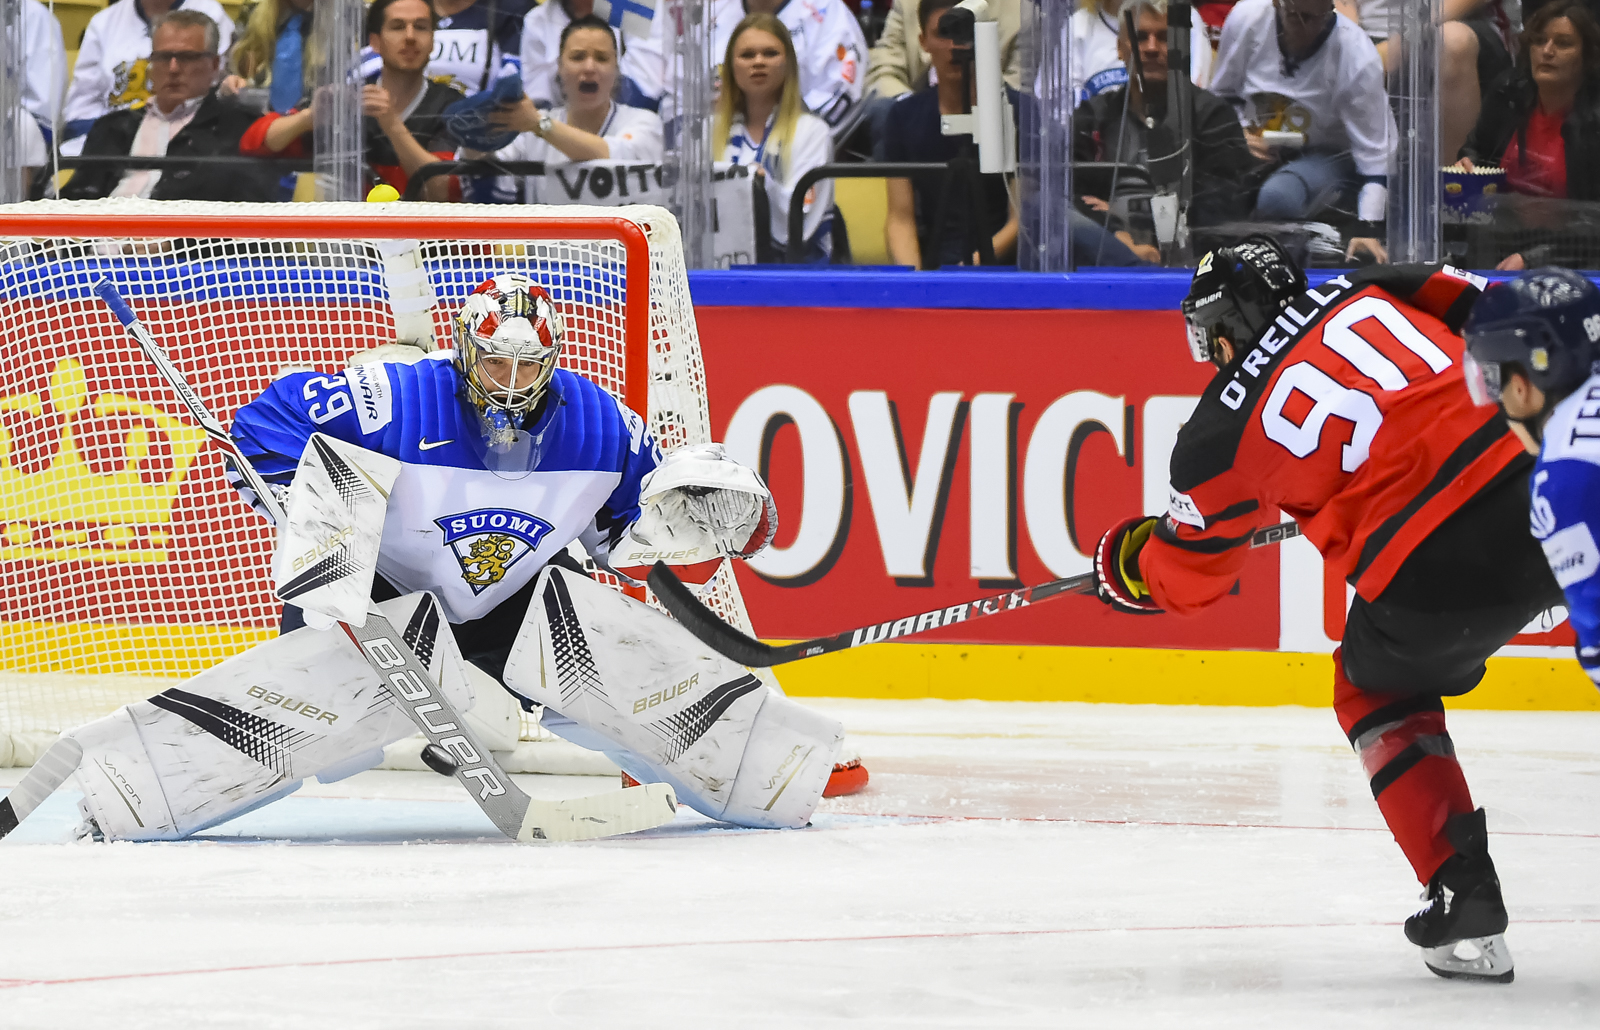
414	412
1564	512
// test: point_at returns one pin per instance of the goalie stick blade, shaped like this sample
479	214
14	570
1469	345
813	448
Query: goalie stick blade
601	815
59	761
678	599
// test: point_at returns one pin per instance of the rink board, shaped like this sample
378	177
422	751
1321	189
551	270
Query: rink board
933	438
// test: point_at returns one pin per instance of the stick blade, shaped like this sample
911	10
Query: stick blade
704	624
601	815
59	761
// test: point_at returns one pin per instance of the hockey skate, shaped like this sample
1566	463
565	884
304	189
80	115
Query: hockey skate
1460	928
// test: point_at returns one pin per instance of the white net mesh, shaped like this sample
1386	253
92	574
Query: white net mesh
126	561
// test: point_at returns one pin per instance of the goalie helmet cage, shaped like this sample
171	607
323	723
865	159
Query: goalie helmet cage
127	562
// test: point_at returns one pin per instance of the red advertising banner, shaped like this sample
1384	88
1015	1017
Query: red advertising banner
921	458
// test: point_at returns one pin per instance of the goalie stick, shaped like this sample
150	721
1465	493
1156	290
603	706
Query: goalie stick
59	761
681	601
396	664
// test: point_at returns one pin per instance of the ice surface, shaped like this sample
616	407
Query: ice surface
1013	865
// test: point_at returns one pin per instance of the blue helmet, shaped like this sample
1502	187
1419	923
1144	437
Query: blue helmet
1545	322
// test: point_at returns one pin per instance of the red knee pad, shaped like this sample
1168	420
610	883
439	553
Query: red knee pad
1410	763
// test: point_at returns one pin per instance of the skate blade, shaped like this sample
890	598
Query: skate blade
1484	959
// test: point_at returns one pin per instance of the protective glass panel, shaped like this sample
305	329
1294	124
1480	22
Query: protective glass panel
1285	122
337	144
14	156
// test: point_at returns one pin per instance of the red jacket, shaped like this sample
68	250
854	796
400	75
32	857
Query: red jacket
1350	415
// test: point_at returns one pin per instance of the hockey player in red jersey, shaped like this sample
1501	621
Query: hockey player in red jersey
1345	407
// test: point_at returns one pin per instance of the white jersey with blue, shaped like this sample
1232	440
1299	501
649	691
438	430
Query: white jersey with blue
471	535
1565	512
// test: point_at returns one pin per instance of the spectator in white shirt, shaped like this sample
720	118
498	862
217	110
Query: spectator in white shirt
591	125
761	120
1096	66
112	72
1296	68
640	65
45	71
829	47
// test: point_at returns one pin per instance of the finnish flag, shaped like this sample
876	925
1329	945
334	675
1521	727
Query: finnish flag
633	17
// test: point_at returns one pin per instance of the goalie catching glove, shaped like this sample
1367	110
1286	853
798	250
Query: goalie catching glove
696	508
1116	566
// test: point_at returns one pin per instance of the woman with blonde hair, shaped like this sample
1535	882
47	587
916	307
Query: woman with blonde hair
762	122
273	54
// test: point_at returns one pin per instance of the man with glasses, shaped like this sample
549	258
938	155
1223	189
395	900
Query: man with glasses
184	118
112	72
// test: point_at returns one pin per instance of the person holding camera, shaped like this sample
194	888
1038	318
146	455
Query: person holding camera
931	220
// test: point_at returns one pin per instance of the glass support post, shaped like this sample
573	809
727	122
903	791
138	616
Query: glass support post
337	145
13	70
1044	124
1413	223
689	135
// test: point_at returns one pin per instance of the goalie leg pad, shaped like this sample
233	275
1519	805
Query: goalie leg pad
666	708
249	730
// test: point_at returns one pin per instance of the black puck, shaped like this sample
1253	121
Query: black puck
439	760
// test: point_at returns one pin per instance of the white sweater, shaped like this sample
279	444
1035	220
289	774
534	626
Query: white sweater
1096	66
1335	97
45	70
813	146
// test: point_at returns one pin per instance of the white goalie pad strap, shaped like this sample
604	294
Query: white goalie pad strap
670	709
327	553
698	495
249	730
411	294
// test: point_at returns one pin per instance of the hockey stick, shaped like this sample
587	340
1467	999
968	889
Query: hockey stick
59	761
406	677
725	640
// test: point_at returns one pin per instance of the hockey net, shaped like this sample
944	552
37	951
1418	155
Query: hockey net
127	563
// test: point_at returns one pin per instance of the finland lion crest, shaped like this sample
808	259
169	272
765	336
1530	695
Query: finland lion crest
488	541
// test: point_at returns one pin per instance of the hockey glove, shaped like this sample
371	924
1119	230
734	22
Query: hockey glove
699	493
1116	566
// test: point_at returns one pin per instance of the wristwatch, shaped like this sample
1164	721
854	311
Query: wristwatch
544	124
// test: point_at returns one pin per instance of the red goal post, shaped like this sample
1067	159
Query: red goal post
126	561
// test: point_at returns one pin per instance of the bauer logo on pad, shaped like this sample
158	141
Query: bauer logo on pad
488	541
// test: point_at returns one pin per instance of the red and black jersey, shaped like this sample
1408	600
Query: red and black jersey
1349	414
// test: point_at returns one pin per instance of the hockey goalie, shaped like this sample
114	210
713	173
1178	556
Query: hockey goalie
485	463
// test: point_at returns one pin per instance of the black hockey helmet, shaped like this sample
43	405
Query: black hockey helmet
1544	324
1237	291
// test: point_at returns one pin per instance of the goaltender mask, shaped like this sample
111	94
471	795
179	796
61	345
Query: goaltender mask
1344	406
484	464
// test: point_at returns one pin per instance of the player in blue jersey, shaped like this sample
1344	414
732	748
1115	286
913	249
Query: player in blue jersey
488	461
1532	345
505	460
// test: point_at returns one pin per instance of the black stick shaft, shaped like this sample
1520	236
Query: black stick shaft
712	631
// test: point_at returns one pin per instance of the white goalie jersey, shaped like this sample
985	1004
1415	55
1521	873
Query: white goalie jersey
472	535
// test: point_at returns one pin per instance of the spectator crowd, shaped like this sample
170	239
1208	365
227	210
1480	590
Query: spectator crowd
1291	124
